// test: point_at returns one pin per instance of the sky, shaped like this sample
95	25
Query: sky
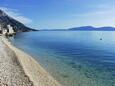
61	14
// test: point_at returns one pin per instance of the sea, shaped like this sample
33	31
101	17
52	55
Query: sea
73	58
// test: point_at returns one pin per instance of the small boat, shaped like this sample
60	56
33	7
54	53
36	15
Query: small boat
100	38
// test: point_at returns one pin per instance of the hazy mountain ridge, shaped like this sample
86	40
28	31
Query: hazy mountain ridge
83	28
91	28
17	26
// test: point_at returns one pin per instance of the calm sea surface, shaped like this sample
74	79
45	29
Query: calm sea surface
74	58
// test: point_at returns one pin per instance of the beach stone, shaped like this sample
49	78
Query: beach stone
11	72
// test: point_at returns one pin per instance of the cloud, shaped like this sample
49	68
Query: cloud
101	15
100	9
16	15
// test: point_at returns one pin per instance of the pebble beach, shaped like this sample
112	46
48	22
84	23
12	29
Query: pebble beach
19	69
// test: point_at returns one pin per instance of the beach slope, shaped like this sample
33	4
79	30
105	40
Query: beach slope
31	71
11	72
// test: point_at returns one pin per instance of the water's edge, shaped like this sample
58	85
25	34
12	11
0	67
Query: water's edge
37	74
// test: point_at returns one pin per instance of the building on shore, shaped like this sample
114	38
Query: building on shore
4	31
8	31
0	29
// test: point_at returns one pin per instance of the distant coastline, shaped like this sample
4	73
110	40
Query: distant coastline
83	28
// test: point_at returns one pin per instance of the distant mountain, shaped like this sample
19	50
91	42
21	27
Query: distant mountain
17	26
83	28
90	28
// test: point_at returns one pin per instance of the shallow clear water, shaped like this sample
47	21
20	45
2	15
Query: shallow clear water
74	58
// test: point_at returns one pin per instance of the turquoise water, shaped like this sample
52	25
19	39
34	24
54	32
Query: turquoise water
74	58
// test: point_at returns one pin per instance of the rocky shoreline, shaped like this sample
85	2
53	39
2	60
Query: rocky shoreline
11	72
19	69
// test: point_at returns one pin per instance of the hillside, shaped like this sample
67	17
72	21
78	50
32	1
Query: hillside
17	26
